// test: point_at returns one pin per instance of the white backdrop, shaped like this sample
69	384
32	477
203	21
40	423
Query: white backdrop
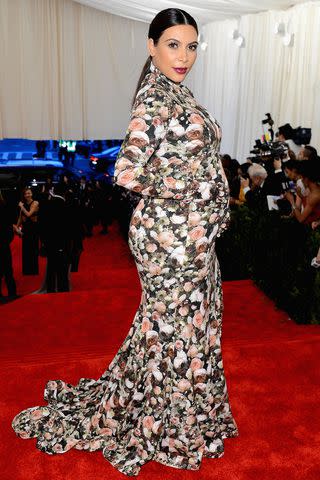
66	70
204	11
69	70
240	85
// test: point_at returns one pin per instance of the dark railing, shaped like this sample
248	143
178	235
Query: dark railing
276	253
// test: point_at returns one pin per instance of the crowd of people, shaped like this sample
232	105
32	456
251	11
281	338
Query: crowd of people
290	185
52	222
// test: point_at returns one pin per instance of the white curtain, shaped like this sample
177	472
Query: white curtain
70	71
203	11
67	70
240	85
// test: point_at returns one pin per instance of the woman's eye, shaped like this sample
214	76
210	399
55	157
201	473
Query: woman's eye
171	45
193	47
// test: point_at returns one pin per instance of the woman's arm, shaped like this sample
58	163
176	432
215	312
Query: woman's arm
148	126
34	208
312	202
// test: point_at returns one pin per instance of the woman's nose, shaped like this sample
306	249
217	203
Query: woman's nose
183	55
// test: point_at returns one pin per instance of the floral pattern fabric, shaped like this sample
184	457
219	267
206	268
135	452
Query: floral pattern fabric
164	395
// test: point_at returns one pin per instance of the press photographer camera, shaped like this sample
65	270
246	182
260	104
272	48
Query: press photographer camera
287	138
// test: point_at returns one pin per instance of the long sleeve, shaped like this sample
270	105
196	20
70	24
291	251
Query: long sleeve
141	163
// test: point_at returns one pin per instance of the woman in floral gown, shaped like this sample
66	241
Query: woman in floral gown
164	395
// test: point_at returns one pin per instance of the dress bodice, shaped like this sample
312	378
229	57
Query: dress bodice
171	148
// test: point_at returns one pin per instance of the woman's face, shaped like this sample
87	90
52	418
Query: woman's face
27	195
176	48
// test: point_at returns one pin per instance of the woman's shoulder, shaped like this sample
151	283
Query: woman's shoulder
151	92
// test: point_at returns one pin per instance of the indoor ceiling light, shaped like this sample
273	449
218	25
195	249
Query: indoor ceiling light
240	41
279	28
234	34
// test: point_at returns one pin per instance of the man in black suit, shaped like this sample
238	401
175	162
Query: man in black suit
262	185
55	231
6	236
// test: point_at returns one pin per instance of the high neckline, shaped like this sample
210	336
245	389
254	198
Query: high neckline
162	76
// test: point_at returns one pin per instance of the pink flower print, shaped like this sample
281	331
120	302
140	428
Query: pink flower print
188	286
138	124
202	244
175	161
194	146
193	351
177	110
194	219
184	310
196	118
184	385
139	111
36	414
146	325
125	177
164	112
194	132
165	239
169	182
200	375
132	152
197	233
196	363
160	307
152	337
151	247
148	422
95	420
179	345
156	121
149	223
138	139
187	331
57	448
198	320
191	419
154	269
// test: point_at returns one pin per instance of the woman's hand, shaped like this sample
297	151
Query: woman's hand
17	230
244	182
20	204
289	197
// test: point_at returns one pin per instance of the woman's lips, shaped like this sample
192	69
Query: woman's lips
181	70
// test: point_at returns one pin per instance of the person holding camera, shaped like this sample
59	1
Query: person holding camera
309	171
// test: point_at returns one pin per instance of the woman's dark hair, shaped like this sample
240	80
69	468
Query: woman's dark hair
165	19
291	164
310	169
24	191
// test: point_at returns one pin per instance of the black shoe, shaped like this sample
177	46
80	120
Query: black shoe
10	298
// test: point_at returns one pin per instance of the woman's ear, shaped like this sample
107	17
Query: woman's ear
151	47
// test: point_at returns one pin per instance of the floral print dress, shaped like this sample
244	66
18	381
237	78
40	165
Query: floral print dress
164	395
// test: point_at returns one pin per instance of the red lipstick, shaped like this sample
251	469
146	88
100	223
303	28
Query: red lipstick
182	71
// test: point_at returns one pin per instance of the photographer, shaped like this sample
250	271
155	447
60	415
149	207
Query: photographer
256	195
309	171
286	134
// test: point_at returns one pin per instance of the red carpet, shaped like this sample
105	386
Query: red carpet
271	366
